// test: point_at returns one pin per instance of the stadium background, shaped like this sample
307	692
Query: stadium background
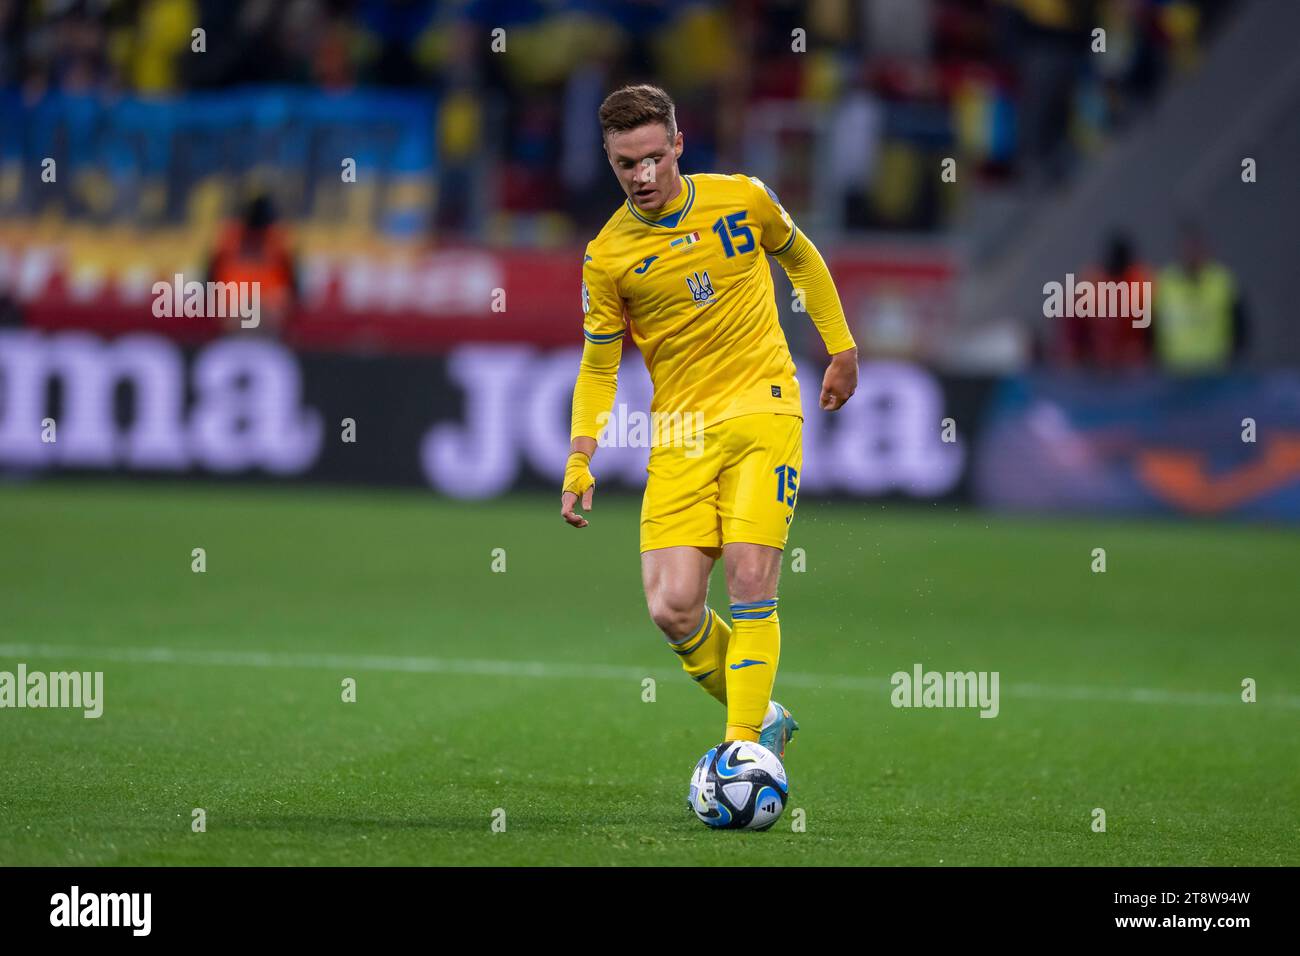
432	301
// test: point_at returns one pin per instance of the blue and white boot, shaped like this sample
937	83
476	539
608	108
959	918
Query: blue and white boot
778	727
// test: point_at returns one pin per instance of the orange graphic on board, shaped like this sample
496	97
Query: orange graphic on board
1181	478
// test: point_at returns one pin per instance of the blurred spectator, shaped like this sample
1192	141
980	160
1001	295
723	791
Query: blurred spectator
148	54
1110	342
1200	318
583	167
1049	40
255	249
397	31
12	29
64	48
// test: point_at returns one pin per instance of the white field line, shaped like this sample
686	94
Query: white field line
551	670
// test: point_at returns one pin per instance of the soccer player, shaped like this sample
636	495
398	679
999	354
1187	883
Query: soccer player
682	265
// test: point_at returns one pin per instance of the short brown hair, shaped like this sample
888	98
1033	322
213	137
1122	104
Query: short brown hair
634	106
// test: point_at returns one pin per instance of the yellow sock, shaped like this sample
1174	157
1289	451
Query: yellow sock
704	654
752	657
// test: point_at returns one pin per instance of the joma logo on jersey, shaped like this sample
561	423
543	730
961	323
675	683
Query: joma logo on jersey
701	288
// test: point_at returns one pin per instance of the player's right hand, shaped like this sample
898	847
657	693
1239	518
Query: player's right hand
578	483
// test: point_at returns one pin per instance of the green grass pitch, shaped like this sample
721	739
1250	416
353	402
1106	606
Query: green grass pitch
522	690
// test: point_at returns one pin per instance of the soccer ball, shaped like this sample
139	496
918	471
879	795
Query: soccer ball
739	785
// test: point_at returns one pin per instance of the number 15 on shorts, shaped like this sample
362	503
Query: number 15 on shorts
787	487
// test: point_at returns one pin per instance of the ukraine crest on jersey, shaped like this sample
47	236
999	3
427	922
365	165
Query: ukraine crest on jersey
693	286
701	288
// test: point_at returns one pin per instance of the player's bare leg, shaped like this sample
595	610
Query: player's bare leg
676	584
753	572
676	591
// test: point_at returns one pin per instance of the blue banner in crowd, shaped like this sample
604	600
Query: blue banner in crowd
137	161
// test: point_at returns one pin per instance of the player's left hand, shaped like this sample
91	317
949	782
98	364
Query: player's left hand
841	379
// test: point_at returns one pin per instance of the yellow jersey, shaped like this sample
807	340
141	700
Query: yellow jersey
693	286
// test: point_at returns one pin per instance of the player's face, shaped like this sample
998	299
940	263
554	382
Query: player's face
645	161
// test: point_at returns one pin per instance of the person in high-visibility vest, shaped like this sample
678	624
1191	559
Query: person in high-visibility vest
1199	321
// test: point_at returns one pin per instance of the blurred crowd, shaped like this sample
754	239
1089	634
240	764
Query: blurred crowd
1188	317
859	94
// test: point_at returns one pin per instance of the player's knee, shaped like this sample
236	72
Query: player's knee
751	583
675	618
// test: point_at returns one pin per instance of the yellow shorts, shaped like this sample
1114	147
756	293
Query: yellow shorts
739	482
